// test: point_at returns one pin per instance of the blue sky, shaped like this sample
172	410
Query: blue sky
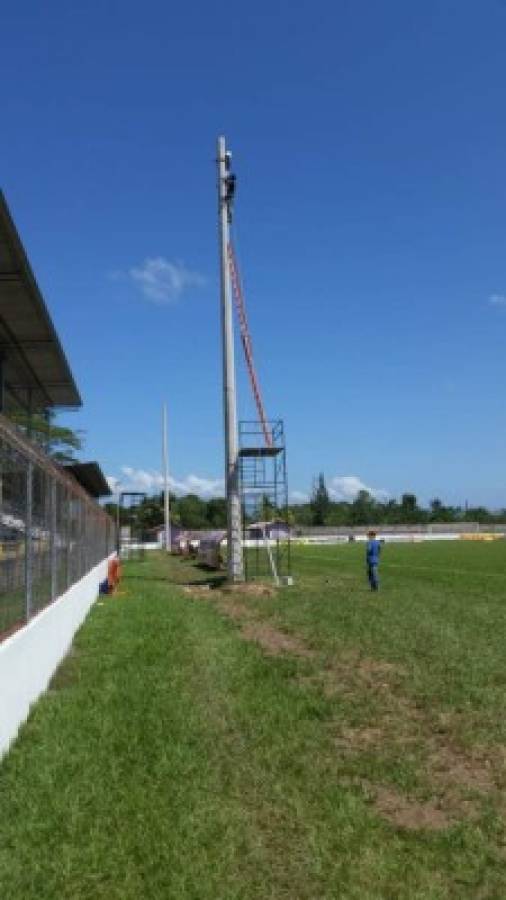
369	141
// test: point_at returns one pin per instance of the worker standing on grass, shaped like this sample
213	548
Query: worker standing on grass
372	555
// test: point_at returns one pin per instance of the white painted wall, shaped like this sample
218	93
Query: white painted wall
29	657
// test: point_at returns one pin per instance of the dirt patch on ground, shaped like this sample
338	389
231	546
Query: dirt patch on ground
199	591
458	777
228	592
405	812
359	738
250	589
236	610
352	672
377	669
449	767
274	642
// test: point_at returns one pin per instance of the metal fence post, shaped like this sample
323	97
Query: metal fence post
28	541
52	539
68	540
55	533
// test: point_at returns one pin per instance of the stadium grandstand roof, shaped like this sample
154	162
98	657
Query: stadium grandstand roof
35	372
90	477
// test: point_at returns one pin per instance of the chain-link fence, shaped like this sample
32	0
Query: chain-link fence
51	531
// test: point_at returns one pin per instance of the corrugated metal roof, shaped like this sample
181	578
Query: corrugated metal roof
34	362
90	477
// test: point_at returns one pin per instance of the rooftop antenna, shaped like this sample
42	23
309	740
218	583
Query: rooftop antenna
226	192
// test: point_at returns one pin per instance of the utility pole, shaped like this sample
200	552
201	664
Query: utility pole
226	187
168	545
118	521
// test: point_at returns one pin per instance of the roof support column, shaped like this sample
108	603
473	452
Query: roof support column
29	429
48	418
2	382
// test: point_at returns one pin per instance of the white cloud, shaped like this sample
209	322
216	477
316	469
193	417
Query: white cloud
163	281
195	484
497	299
151	482
299	497
346	487
113	483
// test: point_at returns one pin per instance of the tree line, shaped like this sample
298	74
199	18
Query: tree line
365	509
191	511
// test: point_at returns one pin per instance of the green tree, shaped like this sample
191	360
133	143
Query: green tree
390	514
479	514
150	513
338	514
302	514
217	512
267	510
320	500
59	441
192	511
363	509
409	511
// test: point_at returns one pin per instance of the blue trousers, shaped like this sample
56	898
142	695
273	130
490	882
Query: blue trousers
372	574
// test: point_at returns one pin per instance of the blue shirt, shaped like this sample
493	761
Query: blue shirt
373	552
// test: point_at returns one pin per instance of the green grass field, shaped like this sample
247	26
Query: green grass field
318	742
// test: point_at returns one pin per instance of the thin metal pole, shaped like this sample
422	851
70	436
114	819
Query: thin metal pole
2	382
53	537
234	544
166	501
29	429
118	524
28	541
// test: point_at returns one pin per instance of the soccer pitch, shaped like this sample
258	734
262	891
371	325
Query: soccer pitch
319	741
445	558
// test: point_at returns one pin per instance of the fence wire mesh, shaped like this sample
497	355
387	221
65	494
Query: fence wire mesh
51	531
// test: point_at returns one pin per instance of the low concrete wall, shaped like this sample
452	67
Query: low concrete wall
29	657
432	528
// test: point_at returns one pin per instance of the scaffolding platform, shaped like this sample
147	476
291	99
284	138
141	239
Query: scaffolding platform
264	500
260	451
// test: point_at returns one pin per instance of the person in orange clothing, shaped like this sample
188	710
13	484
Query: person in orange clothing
113	574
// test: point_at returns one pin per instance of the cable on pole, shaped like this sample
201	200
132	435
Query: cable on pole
240	306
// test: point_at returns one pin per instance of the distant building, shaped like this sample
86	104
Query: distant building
272	531
158	535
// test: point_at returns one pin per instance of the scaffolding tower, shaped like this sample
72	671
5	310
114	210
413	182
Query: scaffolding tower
264	500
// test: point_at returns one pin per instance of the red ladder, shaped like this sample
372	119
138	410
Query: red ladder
246	341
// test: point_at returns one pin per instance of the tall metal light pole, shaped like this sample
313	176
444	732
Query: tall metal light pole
168	545
226	184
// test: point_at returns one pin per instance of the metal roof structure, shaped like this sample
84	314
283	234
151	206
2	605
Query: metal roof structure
90	476
35	371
